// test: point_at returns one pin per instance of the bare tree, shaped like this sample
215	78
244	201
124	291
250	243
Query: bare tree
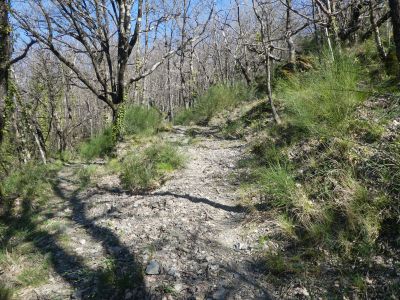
395	14
87	29
6	61
289	33
375	28
99	32
5	55
263	17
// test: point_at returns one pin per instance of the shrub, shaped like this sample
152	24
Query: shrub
142	120
165	157
86	174
98	146
5	293
29	181
321	102
213	101
137	173
67	155
143	171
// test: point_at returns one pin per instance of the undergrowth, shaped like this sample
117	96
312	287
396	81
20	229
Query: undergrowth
142	120
28	182
26	192
144	170
214	100
329	174
138	120
100	145
321	103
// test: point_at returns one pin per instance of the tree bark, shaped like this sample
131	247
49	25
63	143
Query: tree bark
395	15
289	38
5	56
375	28
182	90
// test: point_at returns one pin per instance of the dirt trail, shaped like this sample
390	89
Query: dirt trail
184	240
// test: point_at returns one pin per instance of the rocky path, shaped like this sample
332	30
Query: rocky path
184	240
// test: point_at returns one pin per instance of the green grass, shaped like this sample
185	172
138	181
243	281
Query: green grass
214	100
321	103
35	273
27	191
329	175
233	129
86	175
366	130
113	166
5	293
28	182
277	184
141	120
138	120
144	170
100	145
67	155
278	264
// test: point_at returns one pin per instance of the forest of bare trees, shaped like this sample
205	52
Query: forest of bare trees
88	59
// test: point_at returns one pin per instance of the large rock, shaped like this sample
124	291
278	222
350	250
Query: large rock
153	268
219	294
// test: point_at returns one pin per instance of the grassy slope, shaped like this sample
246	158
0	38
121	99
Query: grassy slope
329	176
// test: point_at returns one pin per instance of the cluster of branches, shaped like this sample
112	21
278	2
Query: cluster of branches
96	55
247	39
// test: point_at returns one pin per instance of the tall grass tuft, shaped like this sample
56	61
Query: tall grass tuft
5	293
277	183
138	120
143	171
30	181
100	145
141	120
320	103
213	101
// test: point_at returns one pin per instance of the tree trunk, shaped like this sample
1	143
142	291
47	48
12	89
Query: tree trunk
328	39
289	38
40	144
377	36
269	91
117	121
182	88
395	14
168	83
5	53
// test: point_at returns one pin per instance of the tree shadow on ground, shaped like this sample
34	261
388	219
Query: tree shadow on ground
194	199
236	209
123	273
203	132
109	282
224	278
